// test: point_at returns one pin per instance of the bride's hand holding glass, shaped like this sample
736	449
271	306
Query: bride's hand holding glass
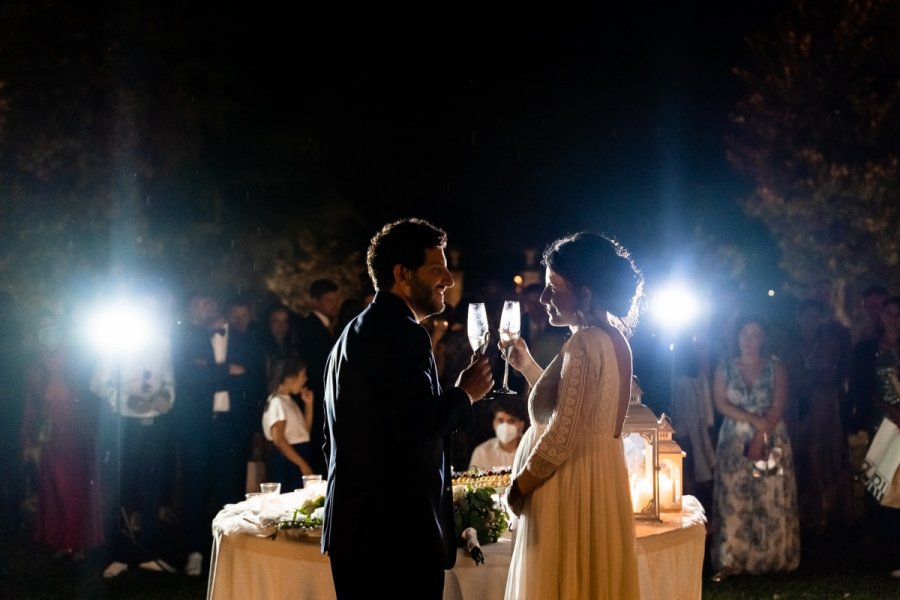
516	353
519	358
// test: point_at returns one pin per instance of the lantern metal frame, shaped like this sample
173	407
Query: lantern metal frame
671	458
642	456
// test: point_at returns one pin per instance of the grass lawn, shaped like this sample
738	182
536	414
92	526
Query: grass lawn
830	568
836	567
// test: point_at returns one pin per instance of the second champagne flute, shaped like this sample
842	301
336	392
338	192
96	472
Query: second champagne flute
510	329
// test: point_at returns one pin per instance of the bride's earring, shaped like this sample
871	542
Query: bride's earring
581	320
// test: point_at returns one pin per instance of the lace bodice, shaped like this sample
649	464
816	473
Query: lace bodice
576	397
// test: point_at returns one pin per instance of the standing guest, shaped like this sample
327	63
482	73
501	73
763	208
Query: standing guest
862	409
316	336
869	403
286	425
246	336
12	369
693	417
140	389
575	536
756	524
823	291
872	303
384	403
216	418
280	337
811	355
241	316
509	425
61	421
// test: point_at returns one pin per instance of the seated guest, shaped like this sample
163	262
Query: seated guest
509	425
287	426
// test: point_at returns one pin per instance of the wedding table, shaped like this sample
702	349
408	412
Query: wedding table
246	566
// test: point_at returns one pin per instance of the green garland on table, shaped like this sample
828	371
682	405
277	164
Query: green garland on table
475	508
302	518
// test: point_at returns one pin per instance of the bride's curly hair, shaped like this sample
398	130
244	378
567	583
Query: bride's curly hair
603	266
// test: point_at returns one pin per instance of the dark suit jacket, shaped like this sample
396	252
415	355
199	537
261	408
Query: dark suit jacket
198	378
388	427
859	411
314	343
192	357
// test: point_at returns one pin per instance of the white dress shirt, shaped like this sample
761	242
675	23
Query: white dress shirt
221	401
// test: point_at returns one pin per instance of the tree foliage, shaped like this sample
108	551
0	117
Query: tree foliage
132	145
818	133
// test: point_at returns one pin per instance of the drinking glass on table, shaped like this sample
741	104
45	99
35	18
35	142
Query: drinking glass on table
270	488
314	484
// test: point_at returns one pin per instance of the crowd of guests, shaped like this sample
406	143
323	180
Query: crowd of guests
775	418
106	446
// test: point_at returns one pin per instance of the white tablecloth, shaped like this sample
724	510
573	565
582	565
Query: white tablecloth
248	567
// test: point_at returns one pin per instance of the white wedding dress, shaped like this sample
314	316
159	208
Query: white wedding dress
575	537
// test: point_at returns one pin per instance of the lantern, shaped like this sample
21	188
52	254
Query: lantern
671	461
640	438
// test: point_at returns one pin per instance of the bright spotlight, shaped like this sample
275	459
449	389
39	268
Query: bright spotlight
771	293
674	306
119	328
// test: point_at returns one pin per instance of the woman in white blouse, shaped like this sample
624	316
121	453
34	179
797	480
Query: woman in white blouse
286	425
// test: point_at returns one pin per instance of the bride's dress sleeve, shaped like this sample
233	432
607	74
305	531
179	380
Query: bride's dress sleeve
556	443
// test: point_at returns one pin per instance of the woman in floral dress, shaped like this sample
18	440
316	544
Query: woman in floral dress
756	522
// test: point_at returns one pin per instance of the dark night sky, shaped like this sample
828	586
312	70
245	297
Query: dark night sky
510	125
513	126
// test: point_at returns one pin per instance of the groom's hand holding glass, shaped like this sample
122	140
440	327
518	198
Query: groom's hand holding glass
476	379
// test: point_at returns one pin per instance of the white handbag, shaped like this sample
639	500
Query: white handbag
879	469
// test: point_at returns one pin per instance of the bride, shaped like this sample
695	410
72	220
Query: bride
575	536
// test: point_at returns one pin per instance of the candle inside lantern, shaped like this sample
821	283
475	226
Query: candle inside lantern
641	493
666	490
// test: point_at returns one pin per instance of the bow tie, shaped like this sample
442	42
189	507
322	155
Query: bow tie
220	331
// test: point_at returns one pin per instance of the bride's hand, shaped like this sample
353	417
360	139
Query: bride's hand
519	357
515	499
521	360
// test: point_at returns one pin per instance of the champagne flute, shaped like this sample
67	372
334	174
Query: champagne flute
510	330
478	330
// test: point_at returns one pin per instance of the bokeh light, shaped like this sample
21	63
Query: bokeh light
674	306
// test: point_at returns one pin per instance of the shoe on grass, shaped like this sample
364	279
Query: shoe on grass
114	569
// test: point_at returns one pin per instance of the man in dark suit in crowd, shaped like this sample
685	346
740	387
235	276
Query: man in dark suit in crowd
218	375
389	497
315	339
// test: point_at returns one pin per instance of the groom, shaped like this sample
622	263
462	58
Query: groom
388	425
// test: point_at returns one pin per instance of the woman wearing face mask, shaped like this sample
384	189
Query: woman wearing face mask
499	451
575	536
